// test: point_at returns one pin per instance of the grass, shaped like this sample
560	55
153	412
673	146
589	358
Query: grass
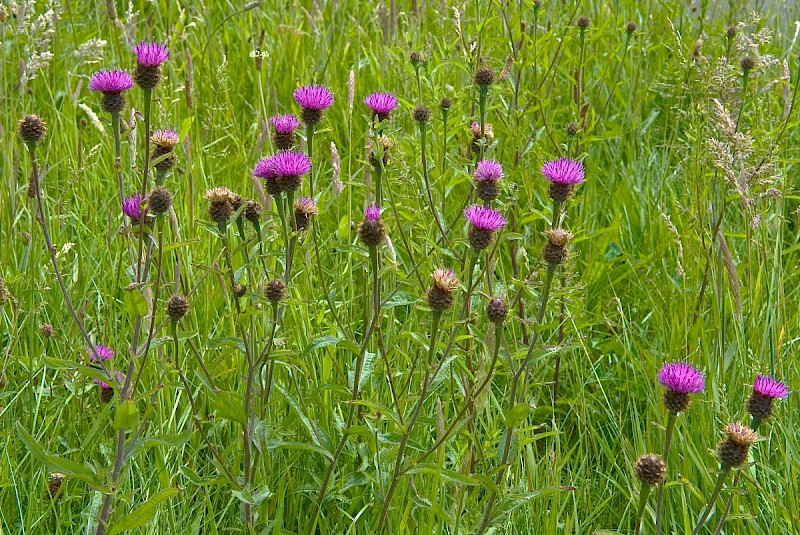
628	300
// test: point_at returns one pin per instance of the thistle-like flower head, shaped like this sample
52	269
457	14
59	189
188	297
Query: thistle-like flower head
165	140
110	81
372	213
313	97
132	207
381	104
284	124
103	352
563	171
264	169
150	54
769	387
219	195
740	434
290	164
484	218
444	279
682	378
306	205
488	171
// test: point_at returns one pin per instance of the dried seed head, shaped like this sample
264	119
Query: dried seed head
31	129
275	290
571	129
159	200
253	212
239	290
440	294
741	434
555	251
46	330
747	64
650	469
416	58
484	77
5	295
218	195
730	32
177	307
304	209
497	310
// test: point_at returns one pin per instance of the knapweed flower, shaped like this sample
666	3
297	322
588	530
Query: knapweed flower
107	390
564	174
483	77
275	291
486	176
681	379
45	329
284	127
164	142
289	169
253	212
111	83
177	307
381	104
765	389
149	57
497	310
371	231
304	209
220	204
314	99
132	207
650	470
477	138
422	114
484	222
31	129
103	352
440	294
733	450
555	250
266	171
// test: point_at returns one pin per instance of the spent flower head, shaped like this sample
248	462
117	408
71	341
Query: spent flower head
165	139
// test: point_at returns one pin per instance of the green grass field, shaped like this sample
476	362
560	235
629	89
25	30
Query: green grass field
323	413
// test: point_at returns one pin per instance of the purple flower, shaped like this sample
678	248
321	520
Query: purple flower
769	387
488	171
484	218
264	169
284	124
131	207
103	352
290	164
166	139
150	54
681	378
382	104
110	81
313	97
372	213
105	386
563	171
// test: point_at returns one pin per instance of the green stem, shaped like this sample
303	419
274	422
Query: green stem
482	94
671	419
310	129
643	494
725	470
118	155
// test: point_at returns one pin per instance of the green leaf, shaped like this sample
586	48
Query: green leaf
274	445
59	464
401	299
450	475
135	303
168	440
230	406
514	415
323	341
127	416
143	514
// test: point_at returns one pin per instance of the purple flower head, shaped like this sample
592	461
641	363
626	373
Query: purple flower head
150	54
484	218
105	386
488	171
681	378
306	205
110	81
563	171
131	207
313	97
769	387
382	104
372	213
284	124
290	164
264	169
166	139
103	352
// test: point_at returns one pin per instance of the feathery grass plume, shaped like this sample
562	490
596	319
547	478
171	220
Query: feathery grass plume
31	129
275	290
487	175
497	310
265	170
164	143
289	168
555	250
177	307
112	84
484	222
5	295
336	164
304	209
381	104
134	209
283	127
220	205
159	200
45	329
680	379
766	389
351	90
149	57
564	174
440	294
313	99
371	231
